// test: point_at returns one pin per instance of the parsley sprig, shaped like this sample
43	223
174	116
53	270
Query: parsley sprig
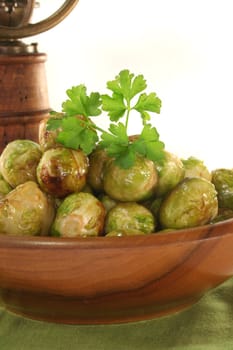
126	96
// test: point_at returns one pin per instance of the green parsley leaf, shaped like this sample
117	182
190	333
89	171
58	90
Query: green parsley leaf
121	84
148	103
145	117
126	86
118	146
138	85
126	158
114	105
76	133
53	124
72	123
115	141
81	133
80	103
149	145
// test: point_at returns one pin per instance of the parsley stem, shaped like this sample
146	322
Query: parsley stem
127	115
98	128
94	126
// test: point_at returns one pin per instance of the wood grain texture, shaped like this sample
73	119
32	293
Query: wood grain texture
24	98
115	279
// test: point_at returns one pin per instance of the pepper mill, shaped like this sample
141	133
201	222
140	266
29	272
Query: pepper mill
24	98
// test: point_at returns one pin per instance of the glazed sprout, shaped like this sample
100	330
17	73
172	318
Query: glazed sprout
87	188
47	138
4	187
223	214
79	215
170	172
50	137
62	171
19	160
26	210
195	167
130	216
136	183
193	202
223	182
121	233
107	201
155	207
97	161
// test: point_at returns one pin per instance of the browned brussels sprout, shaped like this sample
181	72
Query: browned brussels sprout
97	161
122	233
19	160
87	188
107	201
170	172
130	185
26	210
155	206
193	202
195	167
79	215
4	187
47	138
130	216
223	182
62	171
223	214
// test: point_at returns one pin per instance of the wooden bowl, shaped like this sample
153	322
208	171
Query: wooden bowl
114	279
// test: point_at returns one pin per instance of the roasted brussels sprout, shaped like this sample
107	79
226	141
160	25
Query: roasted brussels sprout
121	233
166	230
80	214
47	138
97	160
223	182
155	206
4	187
130	185
107	201
130	216
62	171
19	160
87	188
223	214
193	202
26	210
170	172
195	167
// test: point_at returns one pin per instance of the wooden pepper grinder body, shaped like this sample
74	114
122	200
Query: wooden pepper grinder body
24	98
23	86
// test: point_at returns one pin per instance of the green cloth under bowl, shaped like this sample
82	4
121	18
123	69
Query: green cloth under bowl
207	325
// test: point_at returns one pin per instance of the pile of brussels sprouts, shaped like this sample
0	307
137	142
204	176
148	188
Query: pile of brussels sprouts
49	190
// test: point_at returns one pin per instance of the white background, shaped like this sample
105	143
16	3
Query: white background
184	49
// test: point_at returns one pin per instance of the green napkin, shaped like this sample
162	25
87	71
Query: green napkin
207	325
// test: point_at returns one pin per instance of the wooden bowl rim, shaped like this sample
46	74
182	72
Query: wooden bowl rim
198	233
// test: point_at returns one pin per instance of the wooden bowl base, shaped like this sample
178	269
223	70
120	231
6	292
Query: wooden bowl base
73	311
